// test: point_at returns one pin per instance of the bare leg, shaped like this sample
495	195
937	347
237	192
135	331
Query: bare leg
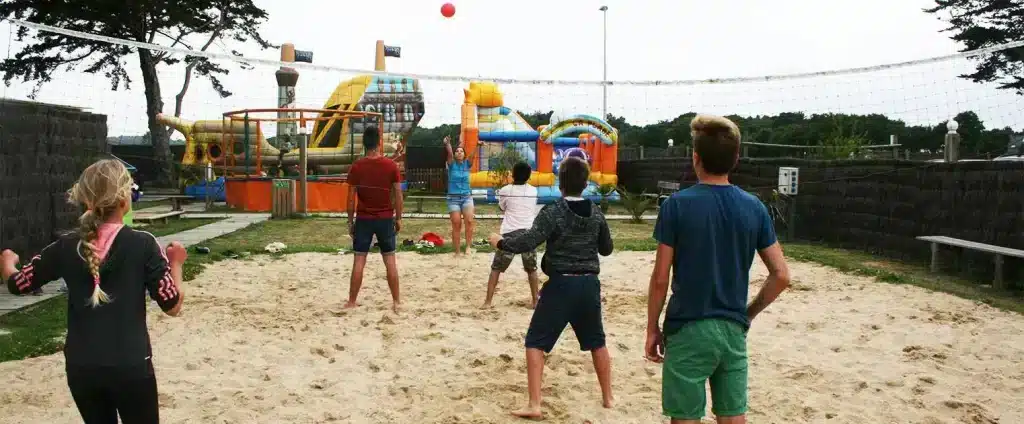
492	286
738	419
684	421
356	281
534	288
534	375
456	230
391	267
603	367
467	214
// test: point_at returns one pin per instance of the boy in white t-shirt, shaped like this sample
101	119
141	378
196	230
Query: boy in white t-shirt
519	201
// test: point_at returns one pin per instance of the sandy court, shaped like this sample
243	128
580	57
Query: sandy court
266	341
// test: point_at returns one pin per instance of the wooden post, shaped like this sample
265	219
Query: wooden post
791	228
934	267
303	140
208	176
641	152
893	141
999	284
746	151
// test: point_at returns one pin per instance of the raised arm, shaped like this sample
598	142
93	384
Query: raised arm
40	270
503	197
164	276
448	149
528	240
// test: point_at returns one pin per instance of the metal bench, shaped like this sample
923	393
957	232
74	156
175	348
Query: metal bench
999	252
165	217
665	189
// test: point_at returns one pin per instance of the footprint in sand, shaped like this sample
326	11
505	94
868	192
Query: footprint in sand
971	412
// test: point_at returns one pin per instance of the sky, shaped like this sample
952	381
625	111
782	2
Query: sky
646	40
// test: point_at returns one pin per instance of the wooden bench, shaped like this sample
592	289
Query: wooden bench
999	252
176	201
165	217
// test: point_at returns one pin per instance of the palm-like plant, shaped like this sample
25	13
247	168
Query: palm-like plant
636	204
605	190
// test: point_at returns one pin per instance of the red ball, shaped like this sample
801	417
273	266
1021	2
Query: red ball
448	10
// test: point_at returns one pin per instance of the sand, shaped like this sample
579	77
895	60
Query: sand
266	341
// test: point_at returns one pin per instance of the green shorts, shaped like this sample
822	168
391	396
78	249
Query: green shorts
710	350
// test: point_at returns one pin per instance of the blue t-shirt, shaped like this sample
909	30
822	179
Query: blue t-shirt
458	178
715	231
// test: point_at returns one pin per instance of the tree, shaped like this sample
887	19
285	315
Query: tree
986	23
972	131
536	119
174	24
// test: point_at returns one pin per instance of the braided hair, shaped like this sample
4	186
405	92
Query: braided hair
104	188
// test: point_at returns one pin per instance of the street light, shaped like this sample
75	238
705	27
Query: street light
604	87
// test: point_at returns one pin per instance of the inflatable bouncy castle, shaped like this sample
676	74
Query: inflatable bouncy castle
489	127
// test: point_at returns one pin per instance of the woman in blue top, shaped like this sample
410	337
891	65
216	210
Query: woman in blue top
460	199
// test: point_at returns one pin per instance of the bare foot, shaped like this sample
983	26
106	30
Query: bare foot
607	402
486	306
529	412
533	305
396	307
350	305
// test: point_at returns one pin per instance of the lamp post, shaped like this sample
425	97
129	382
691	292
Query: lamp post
952	145
604	78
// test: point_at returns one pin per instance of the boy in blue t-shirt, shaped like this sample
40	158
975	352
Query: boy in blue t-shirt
707	234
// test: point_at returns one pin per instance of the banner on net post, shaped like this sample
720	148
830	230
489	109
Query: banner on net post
305	56
392	51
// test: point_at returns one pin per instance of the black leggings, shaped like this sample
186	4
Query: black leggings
103	393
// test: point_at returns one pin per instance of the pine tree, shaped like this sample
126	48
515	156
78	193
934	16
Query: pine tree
986	23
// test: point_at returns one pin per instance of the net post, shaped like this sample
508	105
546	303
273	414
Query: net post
303	200
259	149
245	122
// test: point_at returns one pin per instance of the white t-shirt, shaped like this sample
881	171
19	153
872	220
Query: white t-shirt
520	205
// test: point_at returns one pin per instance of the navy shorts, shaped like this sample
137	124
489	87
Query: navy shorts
572	300
366	228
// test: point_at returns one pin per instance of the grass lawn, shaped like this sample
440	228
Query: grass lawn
331	234
175	225
39	330
34	331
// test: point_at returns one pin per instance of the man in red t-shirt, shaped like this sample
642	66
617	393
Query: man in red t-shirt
376	181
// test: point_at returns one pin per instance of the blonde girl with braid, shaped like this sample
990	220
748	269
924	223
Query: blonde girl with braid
108	268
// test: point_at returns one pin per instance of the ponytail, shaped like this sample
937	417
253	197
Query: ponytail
88	232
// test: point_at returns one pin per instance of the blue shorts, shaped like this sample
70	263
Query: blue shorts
364	230
459	202
567	300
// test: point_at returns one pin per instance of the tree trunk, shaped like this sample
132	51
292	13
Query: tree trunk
162	158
